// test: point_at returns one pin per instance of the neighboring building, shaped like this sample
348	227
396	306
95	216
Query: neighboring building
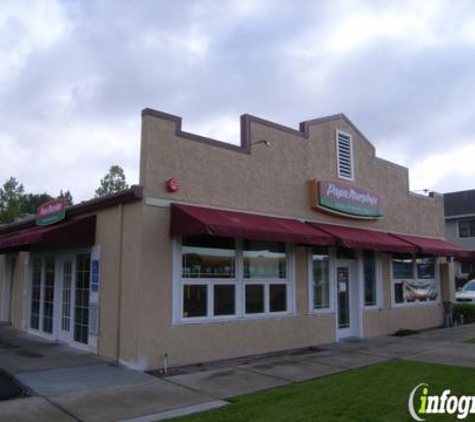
226	251
460	227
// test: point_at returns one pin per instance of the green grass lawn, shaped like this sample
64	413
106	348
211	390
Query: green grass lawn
375	393
472	341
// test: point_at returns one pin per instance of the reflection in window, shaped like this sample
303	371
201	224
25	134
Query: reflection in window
321	278
194	301
255	299
264	259
414	279
208	257
224	299
402	266
277	298
35	300
425	267
369	268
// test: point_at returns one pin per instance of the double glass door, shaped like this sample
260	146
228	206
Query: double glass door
59	299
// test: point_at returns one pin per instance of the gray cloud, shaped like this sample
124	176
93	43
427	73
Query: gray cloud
76	84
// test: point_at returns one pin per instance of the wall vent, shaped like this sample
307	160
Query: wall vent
344	152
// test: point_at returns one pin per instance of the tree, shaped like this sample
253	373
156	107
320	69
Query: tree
68	198
114	181
31	202
11	201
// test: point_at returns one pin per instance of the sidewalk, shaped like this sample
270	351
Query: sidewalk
68	385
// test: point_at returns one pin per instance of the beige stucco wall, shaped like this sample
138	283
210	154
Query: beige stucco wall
274	179
269	180
186	344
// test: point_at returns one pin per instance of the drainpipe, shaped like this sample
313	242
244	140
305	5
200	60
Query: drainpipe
119	299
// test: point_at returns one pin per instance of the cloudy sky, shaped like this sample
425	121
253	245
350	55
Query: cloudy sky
74	76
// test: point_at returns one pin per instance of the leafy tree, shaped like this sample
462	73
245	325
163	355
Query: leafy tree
31	202
66	196
11	200
113	181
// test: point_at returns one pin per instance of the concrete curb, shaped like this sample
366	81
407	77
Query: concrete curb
182	411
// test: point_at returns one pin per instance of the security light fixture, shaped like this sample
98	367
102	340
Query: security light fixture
262	141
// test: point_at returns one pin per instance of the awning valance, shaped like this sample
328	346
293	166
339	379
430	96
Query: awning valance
351	237
434	246
187	220
76	233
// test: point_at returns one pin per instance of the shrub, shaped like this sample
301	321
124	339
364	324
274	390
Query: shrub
465	309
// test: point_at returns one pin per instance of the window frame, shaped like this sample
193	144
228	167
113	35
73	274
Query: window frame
394	281
378	257
239	282
471	223
331	280
352	158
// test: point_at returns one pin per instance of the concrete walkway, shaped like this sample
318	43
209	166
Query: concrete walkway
69	385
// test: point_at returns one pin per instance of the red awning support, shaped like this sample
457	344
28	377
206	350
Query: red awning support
76	233
351	237
433	246
187	220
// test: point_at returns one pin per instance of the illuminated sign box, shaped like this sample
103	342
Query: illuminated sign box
345	200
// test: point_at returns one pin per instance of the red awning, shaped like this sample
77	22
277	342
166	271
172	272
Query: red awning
434	246
76	233
189	220
351	237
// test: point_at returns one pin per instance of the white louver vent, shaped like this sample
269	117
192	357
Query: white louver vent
344	151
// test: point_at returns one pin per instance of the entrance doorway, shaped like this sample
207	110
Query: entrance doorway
59	297
347	304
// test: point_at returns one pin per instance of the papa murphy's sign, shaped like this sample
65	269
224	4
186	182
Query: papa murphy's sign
51	212
346	200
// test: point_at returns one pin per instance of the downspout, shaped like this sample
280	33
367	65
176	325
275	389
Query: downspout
119	294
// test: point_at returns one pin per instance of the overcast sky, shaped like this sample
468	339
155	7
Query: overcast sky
75	75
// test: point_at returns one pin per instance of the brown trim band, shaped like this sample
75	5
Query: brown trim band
134	193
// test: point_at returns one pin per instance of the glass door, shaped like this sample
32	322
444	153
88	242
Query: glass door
42	295
81	298
343	298
346	299
66	286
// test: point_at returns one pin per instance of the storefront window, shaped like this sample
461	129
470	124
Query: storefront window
370	284
264	259
425	268
414	279
277	297
224	299
236	278
208	257
195	301
321	278
403	266
255	299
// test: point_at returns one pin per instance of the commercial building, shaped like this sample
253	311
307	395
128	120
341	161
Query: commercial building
291	239
460	228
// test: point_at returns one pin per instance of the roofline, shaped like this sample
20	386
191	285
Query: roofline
456	216
245	145
459	191
134	193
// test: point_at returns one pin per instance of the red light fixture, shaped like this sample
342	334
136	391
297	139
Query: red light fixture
172	185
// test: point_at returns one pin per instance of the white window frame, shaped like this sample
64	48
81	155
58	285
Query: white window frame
414	273
331	280
379	282
239	282
352	160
